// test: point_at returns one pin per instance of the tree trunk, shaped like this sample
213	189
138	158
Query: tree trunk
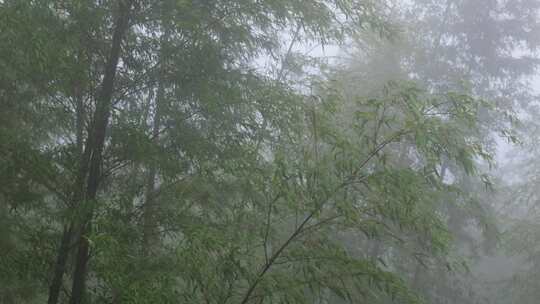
149	215
67	232
94	149
60	266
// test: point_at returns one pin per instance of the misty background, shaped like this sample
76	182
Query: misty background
273	151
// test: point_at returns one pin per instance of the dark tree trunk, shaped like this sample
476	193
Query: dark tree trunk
67	232
60	266
94	150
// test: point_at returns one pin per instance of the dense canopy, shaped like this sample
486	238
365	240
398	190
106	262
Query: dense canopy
269	151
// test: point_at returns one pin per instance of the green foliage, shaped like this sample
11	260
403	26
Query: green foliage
225	182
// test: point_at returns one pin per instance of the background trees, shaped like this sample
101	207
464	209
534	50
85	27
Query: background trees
189	151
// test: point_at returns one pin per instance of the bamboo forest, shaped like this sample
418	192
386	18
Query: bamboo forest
269	151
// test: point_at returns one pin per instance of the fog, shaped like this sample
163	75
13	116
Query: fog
273	151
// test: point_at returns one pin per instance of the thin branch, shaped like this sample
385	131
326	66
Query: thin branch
267	229
288	54
308	218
